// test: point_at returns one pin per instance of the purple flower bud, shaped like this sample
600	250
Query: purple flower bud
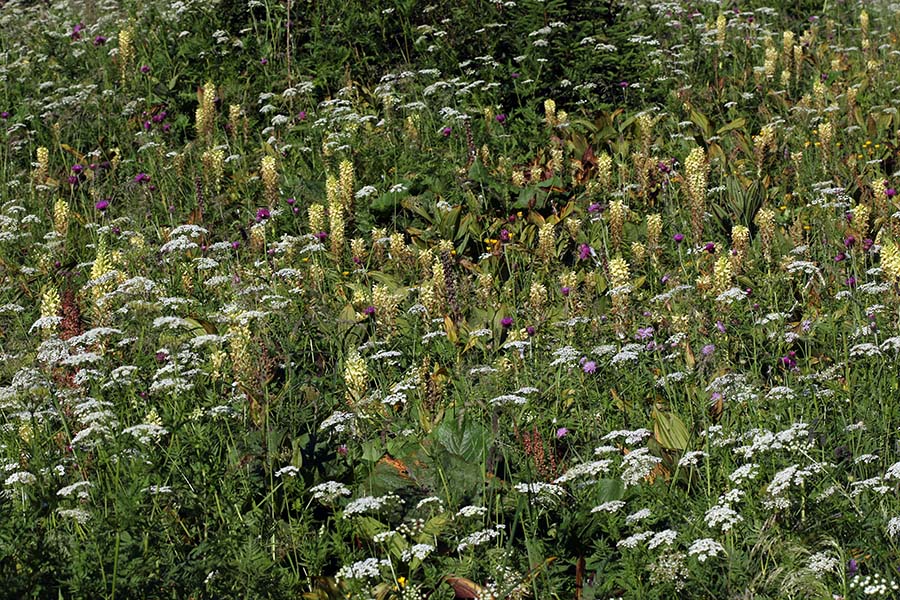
145	69
530	330
99	40
710	247
501	118
102	205
506	321
4	115
566	290
678	237
504	235
849	241
890	192
290	201
446	131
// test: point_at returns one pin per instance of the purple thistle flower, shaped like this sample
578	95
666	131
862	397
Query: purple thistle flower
262	214
678	237
710	247
102	205
506	322
99	40
501	118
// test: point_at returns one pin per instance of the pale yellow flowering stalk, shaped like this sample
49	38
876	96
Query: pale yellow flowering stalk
638	252
547	242
126	52
723	273
358	250
537	297
214	168
518	178
42	169
654	231
721	29
205	115
825	133
604	171
316	215
696	176
618	212
345	183
740	243
879	194
573	226
336	228
400	253
620	282
798	62
356	377
269	174
556	159
258	236
386	306
763	144
50	305
765	220
861	214
484	289
550	112
240	340
890	260
234	118
61	217
770	63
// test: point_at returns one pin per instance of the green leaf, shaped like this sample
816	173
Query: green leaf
670	430
736	124
467	440
609	490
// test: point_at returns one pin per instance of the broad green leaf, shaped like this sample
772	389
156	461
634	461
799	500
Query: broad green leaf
670	430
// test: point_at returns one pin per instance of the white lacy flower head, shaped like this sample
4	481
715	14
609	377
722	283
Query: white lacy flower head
706	548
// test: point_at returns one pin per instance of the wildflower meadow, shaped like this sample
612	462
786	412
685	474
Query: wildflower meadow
449	300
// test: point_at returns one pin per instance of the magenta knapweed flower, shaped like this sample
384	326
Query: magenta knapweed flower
4	115
369	310
584	251
99	40
145	69
506	321
593	207
446	131
710	247
102	205
840	256
264	61
322	236
290	201
262	214
501	118
678	237
301	115
849	241
504	235
566	290
850	281
235	245
141	178
77	169
561	433
890	192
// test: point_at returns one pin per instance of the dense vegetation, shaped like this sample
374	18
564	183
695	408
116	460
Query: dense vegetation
453	300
